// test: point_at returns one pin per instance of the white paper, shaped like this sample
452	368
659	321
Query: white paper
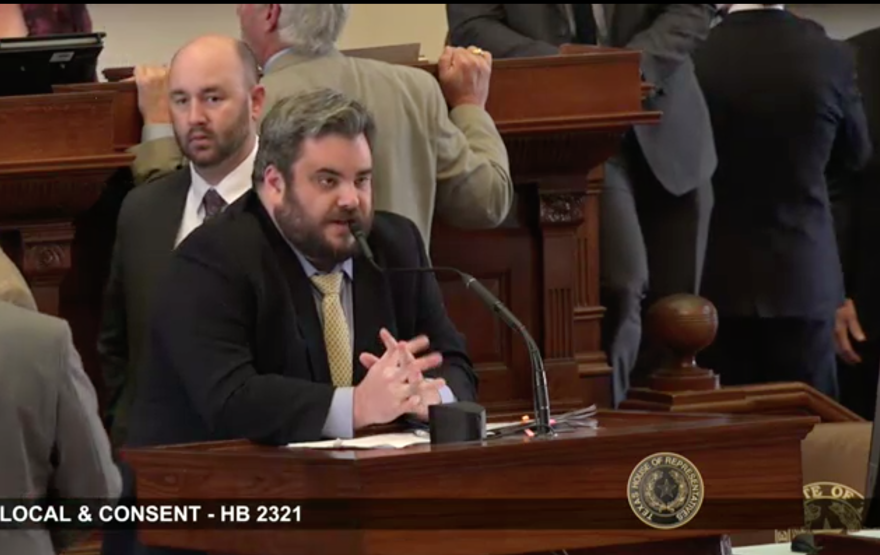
495	425
380	441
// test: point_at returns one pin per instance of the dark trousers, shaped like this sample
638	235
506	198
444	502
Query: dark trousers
652	244
121	540
752	350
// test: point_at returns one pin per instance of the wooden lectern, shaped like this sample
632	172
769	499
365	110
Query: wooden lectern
57	213
561	118
504	496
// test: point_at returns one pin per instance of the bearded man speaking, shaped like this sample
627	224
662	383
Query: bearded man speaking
271	325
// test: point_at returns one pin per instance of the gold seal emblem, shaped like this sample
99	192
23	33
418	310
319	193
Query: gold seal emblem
829	508
665	491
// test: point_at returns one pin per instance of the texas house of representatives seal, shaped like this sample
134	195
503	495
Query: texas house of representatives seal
665	491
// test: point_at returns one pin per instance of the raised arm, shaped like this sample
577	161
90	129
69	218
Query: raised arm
158	153
474	186
672	38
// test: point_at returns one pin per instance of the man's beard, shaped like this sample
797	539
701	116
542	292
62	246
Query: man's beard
225	145
307	235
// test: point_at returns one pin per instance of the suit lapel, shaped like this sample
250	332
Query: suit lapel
154	250
307	321
372	307
167	223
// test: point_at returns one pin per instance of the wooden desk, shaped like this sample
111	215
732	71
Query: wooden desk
413	499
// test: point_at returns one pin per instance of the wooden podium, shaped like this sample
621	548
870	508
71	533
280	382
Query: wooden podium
686	324
505	496
57	212
561	118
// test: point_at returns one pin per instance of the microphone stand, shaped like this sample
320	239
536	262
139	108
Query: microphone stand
541	397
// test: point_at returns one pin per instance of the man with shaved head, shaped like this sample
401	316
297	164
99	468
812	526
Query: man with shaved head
215	101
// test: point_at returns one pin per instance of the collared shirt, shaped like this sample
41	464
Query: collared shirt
744	7
598	15
347	269
274	57
234	185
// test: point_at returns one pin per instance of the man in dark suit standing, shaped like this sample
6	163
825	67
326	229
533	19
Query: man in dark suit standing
215	102
272	325
657	199
856	201
786	112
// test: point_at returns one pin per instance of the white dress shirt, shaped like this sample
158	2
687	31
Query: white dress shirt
745	7
598	15
233	186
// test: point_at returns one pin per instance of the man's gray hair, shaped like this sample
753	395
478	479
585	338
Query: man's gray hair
309	115
312	28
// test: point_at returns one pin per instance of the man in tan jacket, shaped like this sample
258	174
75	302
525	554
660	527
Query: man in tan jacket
13	288
437	147
54	444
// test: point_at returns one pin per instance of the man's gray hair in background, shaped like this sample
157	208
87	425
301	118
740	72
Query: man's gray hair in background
309	115
312	28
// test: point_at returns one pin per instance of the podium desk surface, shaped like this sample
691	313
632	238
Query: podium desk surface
615	430
517	495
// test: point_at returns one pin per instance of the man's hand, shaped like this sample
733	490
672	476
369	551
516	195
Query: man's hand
464	75
847	324
426	389
394	383
152	84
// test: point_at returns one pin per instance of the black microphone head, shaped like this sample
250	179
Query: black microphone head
358	232
355	227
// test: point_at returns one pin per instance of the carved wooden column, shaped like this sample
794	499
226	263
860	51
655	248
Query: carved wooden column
561	212
593	366
46	259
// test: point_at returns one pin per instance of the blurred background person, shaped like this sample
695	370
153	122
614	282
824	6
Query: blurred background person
37	20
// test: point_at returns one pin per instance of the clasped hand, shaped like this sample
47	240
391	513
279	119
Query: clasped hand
395	384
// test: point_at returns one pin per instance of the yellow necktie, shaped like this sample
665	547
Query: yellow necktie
336	337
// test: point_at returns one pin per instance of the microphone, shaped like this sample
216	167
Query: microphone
541	400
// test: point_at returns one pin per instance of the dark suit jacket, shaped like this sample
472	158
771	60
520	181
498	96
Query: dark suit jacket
146	231
786	110
236	345
680	149
856	198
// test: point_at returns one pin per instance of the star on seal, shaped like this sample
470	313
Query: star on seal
829	507
665	491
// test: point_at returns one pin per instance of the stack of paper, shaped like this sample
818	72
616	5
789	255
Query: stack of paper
380	441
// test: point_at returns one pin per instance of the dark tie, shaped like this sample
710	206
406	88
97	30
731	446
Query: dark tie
584	24
213	203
